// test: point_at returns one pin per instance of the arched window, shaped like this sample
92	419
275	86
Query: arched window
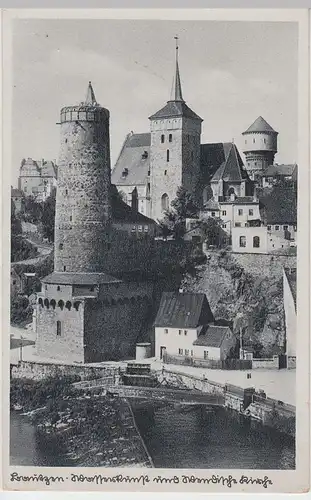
162	138
242	242
46	303
53	303
134	201
61	304
40	301
170	138
167	155
164	202
68	305
76	305
256	242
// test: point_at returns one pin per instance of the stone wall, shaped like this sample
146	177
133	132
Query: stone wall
68	344
266	363
112	331
185	380
265	265
40	371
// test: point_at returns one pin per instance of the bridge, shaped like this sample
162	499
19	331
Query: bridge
182	396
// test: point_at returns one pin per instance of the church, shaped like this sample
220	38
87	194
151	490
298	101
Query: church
152	165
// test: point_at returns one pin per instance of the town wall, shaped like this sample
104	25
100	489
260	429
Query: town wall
112	331
40	371
265	265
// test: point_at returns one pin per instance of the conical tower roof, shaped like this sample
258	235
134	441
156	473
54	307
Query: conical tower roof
260	125
90	95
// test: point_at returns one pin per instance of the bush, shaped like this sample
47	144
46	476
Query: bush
21	249
20	310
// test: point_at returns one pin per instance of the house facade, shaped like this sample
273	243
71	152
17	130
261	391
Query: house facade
184	328
258	240
37	178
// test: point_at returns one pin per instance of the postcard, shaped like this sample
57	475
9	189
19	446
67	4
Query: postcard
156	248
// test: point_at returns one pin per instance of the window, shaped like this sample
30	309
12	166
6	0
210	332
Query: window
58	288
180	351
251	211
66	191
146	229
61	246
148	172
185	332
240	211
245	141
140	229
256	242
64	268
186	352
164	202
165	330
237	224
224	212
70	218
46	287
167	155
254	140
269	228
165	172
162	138
191	353
170	138
58	328
179	331
264	141
205	354
213	214
223	226
285	228
242	241
277	228
133	229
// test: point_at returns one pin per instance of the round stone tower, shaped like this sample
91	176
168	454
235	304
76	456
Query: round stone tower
83	210
260	146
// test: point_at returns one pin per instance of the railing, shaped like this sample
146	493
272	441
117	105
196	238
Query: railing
214	364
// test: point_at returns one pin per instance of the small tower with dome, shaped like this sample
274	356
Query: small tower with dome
260	146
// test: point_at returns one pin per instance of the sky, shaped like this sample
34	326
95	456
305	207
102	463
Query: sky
231	73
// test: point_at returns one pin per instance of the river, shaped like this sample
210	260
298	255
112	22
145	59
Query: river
178	439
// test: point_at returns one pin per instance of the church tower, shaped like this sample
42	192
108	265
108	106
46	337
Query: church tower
174	150
83	210
260	146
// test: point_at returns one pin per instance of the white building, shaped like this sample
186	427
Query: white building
258	240
37	178
184	327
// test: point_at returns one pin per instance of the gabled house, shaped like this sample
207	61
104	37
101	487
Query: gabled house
184	327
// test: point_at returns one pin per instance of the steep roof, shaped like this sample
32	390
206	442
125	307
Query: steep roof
48	169
274	170
183	310
121	212
231	170
291	275
212	336
135	157
260	125
79	278
175	109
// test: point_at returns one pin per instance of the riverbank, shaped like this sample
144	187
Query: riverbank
81	430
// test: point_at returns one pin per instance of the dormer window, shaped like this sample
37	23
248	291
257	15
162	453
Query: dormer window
144	155
125	172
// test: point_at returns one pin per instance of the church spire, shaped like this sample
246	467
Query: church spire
178	93
90	96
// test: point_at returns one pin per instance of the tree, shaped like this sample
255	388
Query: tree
211	230
174	220
184	204
16	226
48	217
